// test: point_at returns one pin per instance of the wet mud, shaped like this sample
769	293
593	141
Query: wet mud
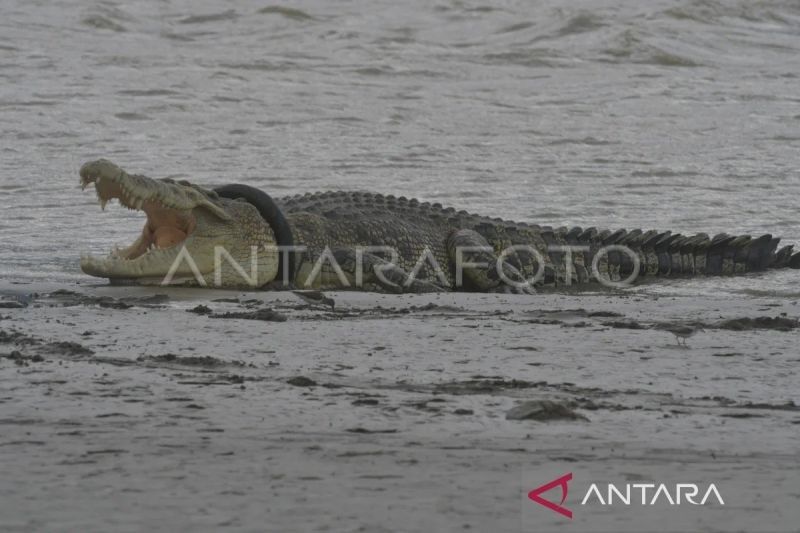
384	393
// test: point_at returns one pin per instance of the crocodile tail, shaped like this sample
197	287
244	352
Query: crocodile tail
679	255
670	254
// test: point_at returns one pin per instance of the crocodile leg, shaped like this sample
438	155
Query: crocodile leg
476	265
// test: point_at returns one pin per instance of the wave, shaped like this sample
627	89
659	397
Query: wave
286	12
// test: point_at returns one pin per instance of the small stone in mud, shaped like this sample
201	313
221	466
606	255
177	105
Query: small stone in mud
543	410
200	310
463	412
12	305
68	348
301	381
266	314
63	292
365	401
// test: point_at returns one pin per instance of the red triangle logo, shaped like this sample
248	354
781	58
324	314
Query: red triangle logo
535	495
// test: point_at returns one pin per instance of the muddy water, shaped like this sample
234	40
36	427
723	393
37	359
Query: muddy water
670	115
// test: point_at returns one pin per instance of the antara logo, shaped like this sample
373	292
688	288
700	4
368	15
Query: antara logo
535	494
677	494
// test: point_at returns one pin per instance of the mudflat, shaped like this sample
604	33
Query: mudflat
125	408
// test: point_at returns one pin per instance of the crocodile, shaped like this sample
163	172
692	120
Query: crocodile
238	236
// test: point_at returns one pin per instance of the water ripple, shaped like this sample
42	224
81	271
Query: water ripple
673	114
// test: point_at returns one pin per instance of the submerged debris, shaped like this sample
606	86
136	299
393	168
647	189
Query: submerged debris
543	410
301	381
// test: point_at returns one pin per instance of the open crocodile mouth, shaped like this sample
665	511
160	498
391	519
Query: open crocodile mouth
166	226
173	212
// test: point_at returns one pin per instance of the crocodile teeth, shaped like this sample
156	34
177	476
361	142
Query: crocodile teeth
103	203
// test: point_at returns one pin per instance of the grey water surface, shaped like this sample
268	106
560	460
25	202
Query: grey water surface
659	114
